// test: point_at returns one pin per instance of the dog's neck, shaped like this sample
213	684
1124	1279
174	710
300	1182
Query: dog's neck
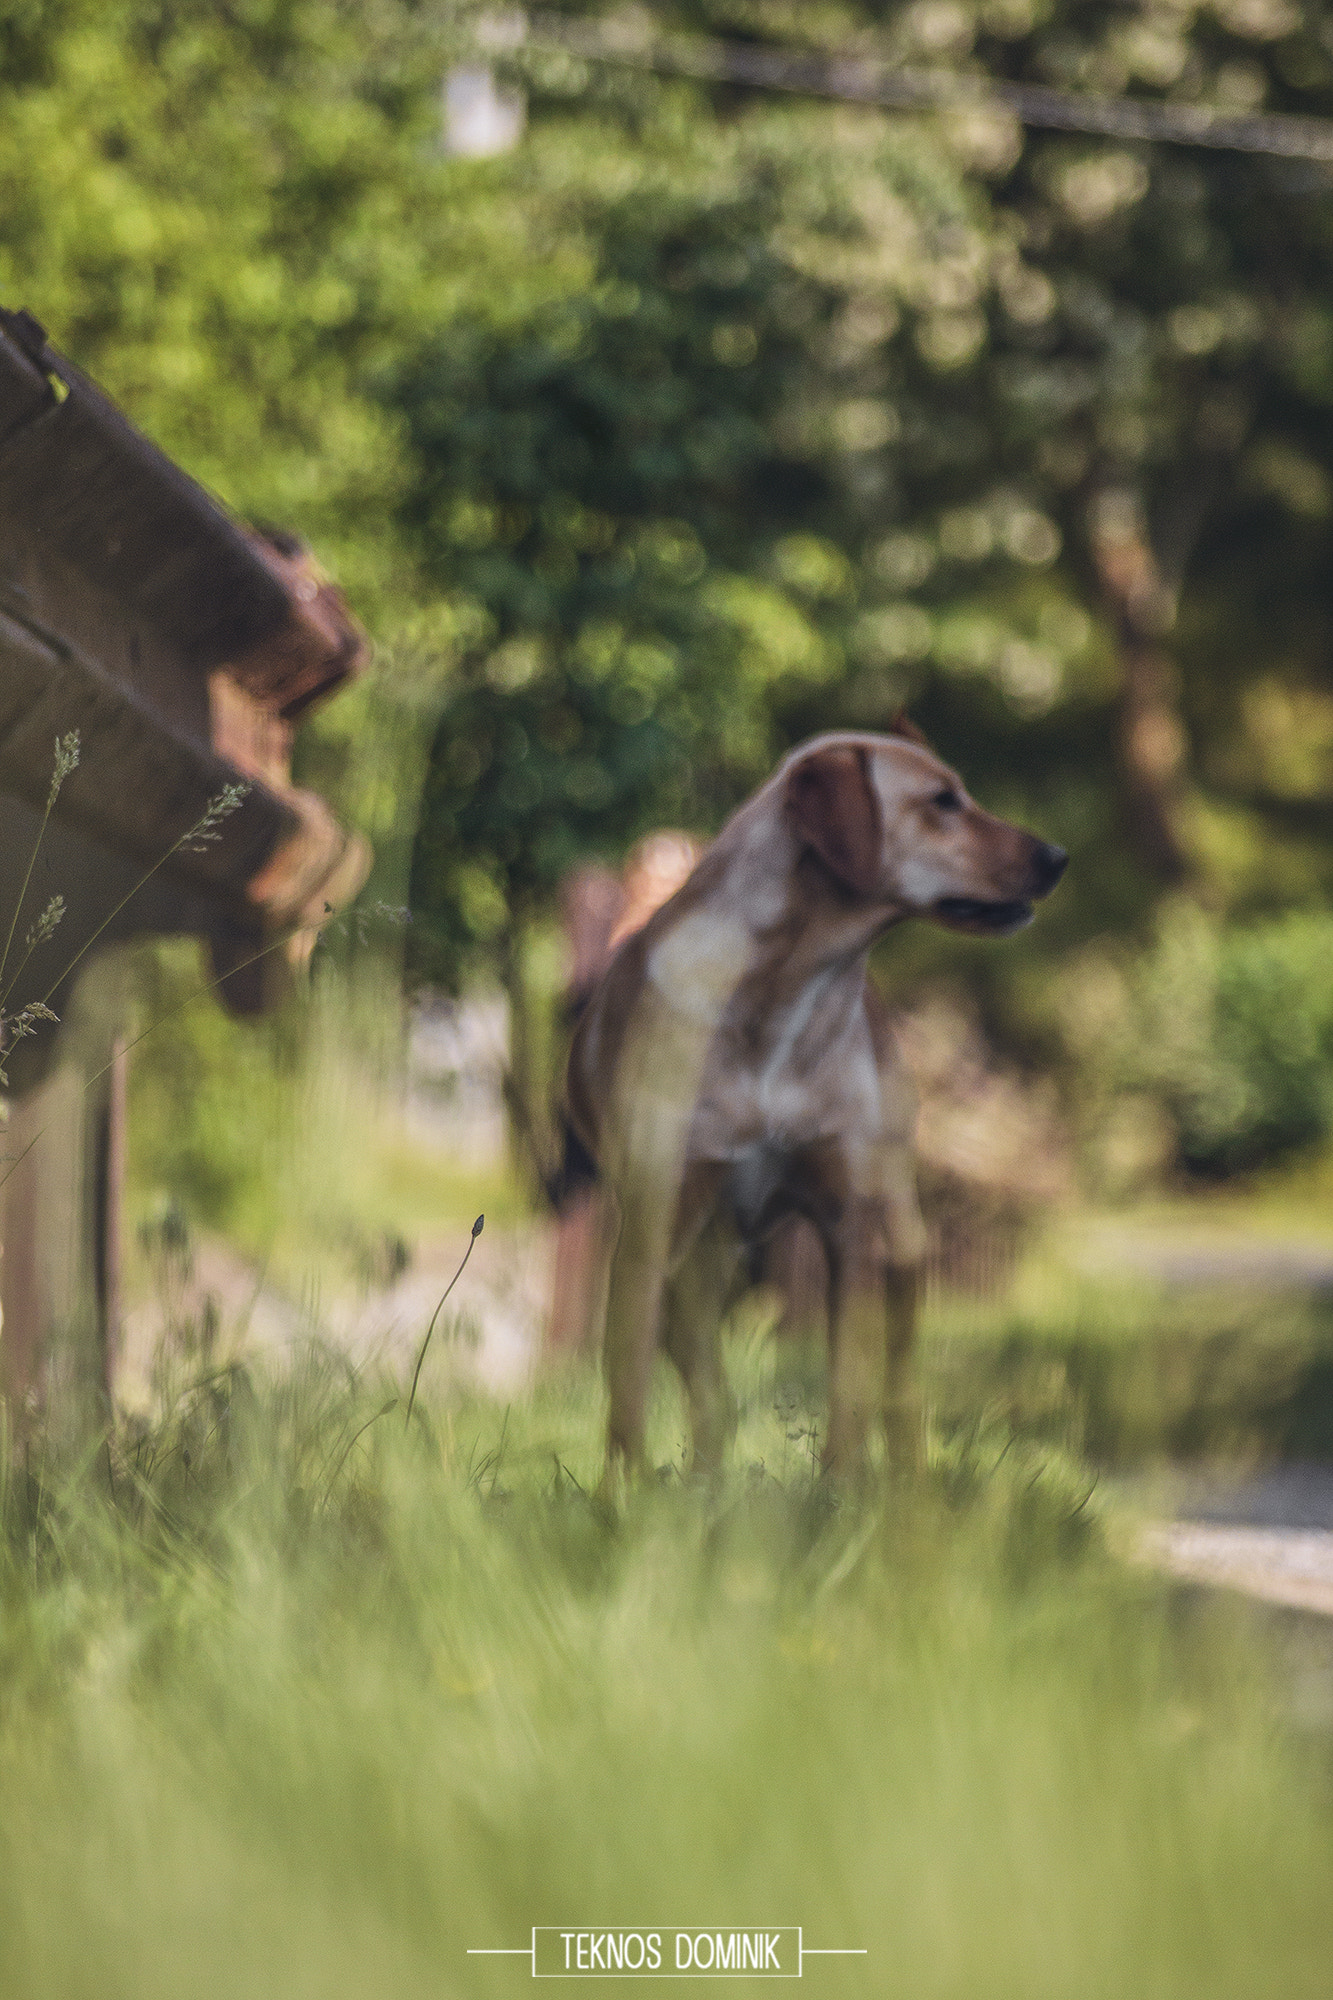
787	900
762	928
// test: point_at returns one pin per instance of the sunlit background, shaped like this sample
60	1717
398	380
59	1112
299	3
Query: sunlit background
651	422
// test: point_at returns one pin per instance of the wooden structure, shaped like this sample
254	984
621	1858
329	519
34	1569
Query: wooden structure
182	646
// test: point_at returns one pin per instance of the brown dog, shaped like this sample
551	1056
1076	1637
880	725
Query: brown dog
729	1071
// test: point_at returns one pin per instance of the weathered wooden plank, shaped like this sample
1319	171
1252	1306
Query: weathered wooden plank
101	496
140	784
135	611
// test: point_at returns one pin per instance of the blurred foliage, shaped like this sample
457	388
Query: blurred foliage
1109	1365
1229	1029
667	493
703	419
225	214
285	1134
984	415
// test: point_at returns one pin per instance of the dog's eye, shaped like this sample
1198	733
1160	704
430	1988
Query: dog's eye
947	800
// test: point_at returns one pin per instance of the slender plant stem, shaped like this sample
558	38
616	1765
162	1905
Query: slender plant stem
147	876
196	994
343	1455
14	1164
32	863
17	973
477	1228
14	920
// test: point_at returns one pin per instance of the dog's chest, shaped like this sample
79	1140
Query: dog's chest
808	1074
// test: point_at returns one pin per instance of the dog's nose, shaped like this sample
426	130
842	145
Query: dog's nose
1049	864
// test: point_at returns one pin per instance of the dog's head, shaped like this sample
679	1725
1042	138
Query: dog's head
894	825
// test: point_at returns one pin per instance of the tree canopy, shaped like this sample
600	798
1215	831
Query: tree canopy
704	418
1032	429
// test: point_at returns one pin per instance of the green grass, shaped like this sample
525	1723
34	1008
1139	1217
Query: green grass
294	1707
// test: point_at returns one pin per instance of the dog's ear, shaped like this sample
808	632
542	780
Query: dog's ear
903	725
834	807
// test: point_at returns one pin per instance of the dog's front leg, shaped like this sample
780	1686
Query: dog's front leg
707	1255
856	1337
662	1230
633	1310
652	1115
692	971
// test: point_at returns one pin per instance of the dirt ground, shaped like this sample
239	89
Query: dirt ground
490	1331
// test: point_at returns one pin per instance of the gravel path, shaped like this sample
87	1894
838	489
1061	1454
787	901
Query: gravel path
1269	1535
1184	1256
1289	1566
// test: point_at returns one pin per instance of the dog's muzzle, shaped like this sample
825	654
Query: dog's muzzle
999	918
971	913
1048	865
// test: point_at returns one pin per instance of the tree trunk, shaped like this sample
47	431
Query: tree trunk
1150	737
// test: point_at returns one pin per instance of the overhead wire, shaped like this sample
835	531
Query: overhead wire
861	79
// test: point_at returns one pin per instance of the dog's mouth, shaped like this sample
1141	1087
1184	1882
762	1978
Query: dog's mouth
971	913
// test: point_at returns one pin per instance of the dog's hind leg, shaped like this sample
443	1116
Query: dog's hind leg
902	1401
874	1251
856	1338
905	1242
850	1223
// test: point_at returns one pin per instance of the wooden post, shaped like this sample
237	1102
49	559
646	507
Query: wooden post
60	1221
110	1166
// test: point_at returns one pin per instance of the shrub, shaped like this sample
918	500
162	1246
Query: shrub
1232	1029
